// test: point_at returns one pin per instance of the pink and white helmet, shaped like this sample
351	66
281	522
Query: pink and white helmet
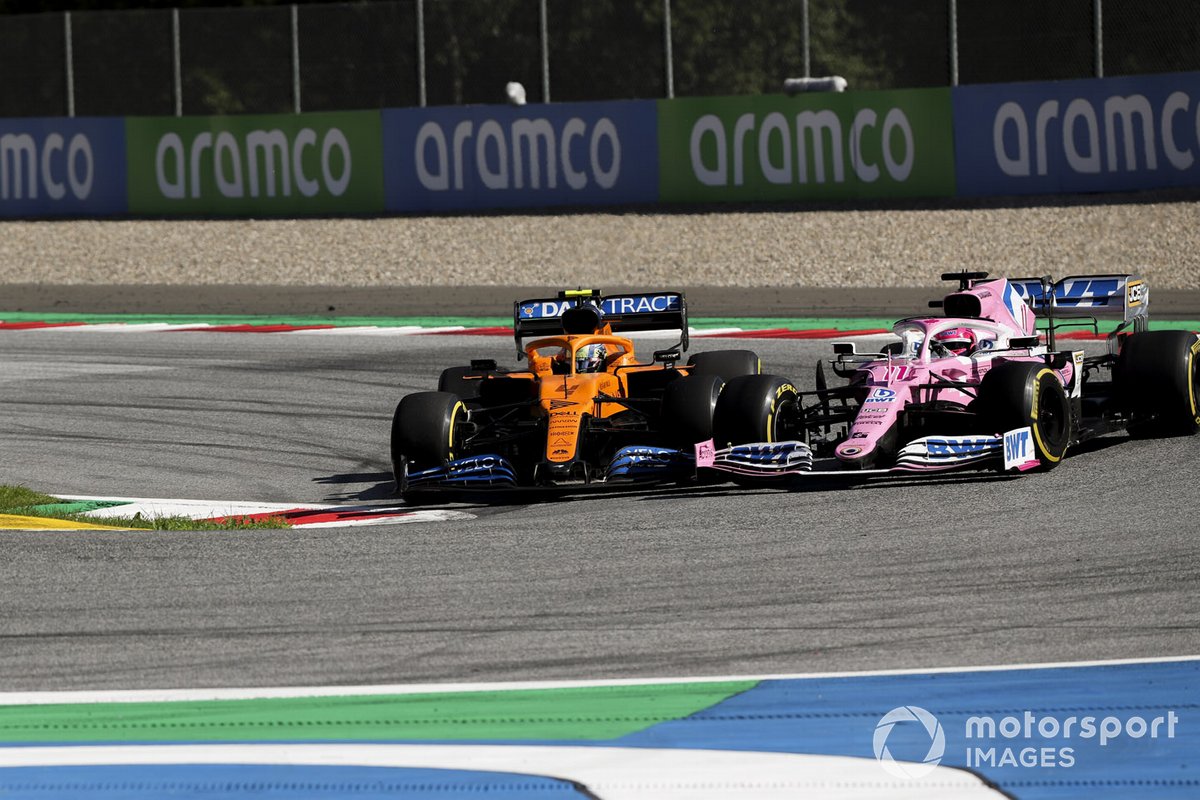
957	341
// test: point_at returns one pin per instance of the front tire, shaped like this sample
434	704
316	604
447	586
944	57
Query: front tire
426	433
753	408
688	407
1157	378
1022	394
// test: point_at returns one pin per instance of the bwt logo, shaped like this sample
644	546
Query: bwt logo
959	447
60	167
808	129
909	769
1088	138
1017	445
1076	293
504	157
881	396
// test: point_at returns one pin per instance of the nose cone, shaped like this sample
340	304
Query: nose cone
855	451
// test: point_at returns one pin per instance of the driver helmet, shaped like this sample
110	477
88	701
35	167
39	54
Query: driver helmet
957	341
590	358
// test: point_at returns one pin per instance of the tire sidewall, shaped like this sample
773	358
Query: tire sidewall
1156	382
1020	394
425	430
689	408
748	410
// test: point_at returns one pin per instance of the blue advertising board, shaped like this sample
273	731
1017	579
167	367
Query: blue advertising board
478	157
62	167
1099	135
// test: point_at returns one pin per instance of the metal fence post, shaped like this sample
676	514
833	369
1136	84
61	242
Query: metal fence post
70	64
954	42
1098	35
421	53
178	67
804	37
544	32
295	59
667	49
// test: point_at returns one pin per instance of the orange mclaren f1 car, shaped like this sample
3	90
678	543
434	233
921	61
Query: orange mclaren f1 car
583	413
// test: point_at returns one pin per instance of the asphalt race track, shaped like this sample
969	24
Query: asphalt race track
1097	559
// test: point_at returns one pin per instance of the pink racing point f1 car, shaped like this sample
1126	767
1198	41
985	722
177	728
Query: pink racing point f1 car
983	386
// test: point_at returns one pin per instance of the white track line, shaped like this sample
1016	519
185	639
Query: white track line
126	327
260	693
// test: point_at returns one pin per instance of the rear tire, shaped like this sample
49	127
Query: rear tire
749	409
425	433
1157	378
688	406
454	381
725	364
1021	394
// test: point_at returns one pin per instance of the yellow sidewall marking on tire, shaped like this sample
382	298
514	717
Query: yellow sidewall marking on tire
787	387
1037	432
21	523
1191	379
450	434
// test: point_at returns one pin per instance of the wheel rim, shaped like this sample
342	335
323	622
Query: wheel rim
1051	418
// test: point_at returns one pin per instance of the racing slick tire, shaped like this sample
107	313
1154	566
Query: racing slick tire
425	433
688	406
1157	378
725	364
753	408
1022	394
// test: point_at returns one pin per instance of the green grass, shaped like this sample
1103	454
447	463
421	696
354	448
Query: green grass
19	498
26	502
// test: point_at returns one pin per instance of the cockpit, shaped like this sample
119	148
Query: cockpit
577	356
928	340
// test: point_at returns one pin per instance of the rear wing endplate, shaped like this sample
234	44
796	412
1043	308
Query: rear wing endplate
623	313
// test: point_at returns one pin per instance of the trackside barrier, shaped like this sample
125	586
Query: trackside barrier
812	146
279	164
1108	135
478	157
1103	135
60	166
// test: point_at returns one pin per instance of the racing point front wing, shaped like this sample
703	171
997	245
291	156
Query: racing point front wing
648	464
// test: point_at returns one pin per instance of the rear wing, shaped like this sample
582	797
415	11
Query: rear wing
1102	296
623	313
1092	297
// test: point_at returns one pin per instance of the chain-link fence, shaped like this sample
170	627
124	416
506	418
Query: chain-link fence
394	53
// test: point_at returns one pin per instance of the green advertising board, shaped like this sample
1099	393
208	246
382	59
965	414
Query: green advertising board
811	146
279	164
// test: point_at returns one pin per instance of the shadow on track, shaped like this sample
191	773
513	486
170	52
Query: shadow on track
383	486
